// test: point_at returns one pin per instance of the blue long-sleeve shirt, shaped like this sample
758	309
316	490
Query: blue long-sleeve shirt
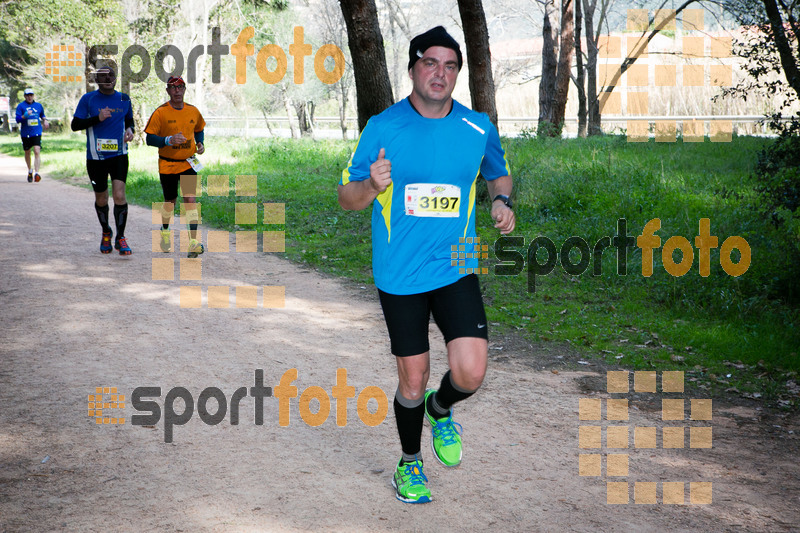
30	117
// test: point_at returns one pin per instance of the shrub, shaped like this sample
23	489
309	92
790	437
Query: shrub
777	178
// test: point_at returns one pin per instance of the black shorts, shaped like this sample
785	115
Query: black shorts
30	142
100	170
170	182
457	309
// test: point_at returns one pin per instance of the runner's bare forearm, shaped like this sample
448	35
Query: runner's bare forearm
357	195
502	185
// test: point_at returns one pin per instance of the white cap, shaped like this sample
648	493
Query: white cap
28	91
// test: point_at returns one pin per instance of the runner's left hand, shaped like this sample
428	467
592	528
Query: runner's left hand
128	135
504	217
200	148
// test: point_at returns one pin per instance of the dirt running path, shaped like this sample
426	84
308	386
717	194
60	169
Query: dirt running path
73	319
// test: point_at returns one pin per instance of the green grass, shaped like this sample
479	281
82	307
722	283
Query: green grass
708	326
582	187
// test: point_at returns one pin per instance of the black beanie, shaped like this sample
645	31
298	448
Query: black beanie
437	36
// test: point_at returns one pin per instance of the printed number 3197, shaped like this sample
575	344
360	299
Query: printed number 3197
437	203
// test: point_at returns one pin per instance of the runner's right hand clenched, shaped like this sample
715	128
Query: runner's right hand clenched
380	172
177	139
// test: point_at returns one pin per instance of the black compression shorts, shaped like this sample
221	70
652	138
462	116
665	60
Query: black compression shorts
100	170
457	309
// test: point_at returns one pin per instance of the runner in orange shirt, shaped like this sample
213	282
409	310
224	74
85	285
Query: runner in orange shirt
176	128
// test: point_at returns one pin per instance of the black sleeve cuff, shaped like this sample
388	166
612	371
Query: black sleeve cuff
155	140
83	123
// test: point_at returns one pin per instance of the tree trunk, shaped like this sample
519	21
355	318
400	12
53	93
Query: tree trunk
400	34
581	80
311	108
199	93
266	121
547	85
300	111
641	46
788	61
592	101
373	90
287	104
87	69
479	60
191	92
396	57
566	49
140	123
301	108
343	110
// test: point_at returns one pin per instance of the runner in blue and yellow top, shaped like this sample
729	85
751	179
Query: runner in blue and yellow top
107	117
30	117
417	164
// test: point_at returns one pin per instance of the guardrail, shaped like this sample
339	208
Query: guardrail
749	124
510	126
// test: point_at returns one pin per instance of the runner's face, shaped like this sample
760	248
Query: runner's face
29	98
434	74
106	81
176	93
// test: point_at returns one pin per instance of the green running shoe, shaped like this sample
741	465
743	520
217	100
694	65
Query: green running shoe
195	248
166	240
445	436
409	483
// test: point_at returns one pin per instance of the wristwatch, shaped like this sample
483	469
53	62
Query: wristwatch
505	199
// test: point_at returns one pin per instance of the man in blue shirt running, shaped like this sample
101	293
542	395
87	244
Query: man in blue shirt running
107	117
417	164
30	117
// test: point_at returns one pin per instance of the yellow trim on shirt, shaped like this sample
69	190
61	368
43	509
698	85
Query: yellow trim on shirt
472	192
385	199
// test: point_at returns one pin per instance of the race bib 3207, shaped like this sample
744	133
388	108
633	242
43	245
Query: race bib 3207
107	145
